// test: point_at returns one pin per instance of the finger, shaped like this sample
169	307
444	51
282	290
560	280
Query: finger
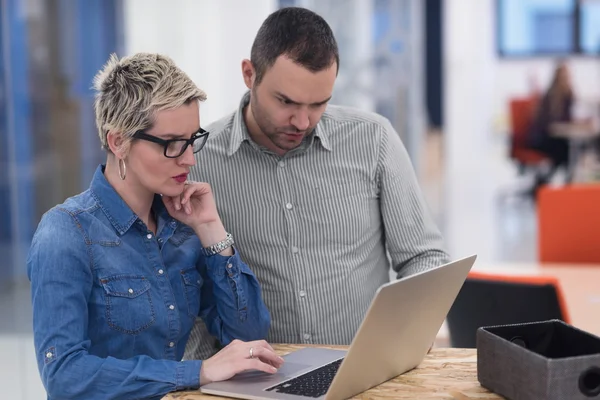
275	361
171	204
267	347
262	343
188	190
278	360
185	198
258	344
176	202
256	364
199	188
168	202
267	356
276	365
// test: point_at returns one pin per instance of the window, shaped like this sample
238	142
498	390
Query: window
48	141
590	27
548	27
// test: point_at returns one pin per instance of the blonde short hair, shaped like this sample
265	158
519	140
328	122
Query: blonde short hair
131	89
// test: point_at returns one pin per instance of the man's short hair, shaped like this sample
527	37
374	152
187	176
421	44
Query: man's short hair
298	33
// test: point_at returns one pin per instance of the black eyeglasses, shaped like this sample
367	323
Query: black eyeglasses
176	147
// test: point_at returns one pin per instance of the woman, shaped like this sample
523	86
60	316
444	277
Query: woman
555	107
120	272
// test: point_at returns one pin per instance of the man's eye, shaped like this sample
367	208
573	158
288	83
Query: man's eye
285	101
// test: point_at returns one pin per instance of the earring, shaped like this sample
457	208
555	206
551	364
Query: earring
123	173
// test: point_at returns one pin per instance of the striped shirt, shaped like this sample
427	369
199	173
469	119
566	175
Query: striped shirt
320	226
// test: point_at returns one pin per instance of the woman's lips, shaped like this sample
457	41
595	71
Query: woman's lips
180	178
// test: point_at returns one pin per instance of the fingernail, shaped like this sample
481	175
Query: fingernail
280	359
273	369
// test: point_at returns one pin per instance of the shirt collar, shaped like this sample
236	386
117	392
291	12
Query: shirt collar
120	215
239	130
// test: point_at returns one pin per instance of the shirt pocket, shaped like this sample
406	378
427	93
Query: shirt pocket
129	307
192	284
342	211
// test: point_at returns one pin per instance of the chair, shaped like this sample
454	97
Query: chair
522	114
569	224
489	299
528	160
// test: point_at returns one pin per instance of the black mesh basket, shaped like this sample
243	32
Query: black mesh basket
543	360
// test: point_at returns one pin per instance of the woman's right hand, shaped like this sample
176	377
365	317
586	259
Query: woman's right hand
235	358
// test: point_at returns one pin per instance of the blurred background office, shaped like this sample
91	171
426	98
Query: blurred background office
463	82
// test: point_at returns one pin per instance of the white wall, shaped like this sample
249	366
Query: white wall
208	39
469	75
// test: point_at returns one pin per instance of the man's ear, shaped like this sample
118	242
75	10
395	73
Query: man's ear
116	144
248	73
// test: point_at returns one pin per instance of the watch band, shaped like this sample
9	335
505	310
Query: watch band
218	247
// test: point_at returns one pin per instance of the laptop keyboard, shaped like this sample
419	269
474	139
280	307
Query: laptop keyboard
312	384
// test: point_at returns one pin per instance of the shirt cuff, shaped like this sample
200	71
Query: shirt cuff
218	265
188	374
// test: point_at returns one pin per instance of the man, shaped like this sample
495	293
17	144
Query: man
317	195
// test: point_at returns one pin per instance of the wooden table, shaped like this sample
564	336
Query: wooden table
443	374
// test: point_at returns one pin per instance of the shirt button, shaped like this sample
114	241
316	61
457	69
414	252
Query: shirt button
149	236
48	355
307	336
289	206
171	307
173	223
160	240
160	271
281	164
302	293
171	344
229	266
130	291
295	250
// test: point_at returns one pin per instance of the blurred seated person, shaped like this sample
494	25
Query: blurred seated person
120	272
555	111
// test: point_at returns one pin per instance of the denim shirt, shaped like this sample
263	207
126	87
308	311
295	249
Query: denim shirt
114	304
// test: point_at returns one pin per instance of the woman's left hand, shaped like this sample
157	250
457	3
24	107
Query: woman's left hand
195	206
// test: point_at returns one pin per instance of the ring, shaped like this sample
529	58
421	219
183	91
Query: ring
251	352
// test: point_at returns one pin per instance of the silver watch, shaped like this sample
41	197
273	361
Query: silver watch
218	247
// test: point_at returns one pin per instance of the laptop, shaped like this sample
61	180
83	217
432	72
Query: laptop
395	335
